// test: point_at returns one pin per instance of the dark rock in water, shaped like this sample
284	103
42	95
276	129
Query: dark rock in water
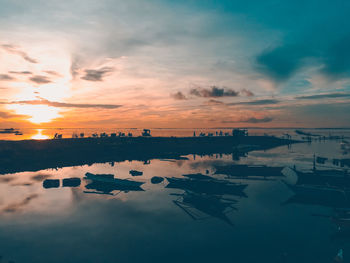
135	173
71	182
157	180
51	183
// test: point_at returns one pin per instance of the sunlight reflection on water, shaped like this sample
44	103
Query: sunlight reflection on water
39	135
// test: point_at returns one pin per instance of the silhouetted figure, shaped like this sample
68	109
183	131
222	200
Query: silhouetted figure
103	135
57	136
146	133
239	132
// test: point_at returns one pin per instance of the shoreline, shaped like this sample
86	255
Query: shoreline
34	155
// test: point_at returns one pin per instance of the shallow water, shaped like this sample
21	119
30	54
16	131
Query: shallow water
97	222
48	133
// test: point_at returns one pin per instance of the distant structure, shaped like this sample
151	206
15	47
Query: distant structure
57	136
239	132
103	135
287	136
146	133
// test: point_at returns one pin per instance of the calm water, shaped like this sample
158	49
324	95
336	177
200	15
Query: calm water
31	133
95	221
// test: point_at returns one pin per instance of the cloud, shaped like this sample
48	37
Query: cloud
252	120
214	102
66	105
53	73
74	67
323	96
256	102
21	72
247	93
40	177
178	96
282	62
214	91
6	77
7	115
5	179
337	59
38	79
11	208
14	50
96	74
255	120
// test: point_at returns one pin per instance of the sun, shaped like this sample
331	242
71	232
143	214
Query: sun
37	114
39	135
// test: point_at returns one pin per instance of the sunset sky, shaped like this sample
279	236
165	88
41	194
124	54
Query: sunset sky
117	63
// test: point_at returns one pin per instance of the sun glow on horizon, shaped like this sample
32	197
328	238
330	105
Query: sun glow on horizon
39	135
48	78
37	113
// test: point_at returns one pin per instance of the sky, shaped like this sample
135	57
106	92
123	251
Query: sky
174	64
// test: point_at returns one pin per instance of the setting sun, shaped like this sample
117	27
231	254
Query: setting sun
37	113
39	135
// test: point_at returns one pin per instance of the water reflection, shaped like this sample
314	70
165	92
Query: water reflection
212	186
39	135
193	200
211	205
325	188
106	184
71	182
51	183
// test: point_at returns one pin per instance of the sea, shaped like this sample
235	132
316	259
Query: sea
184	209
49	133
